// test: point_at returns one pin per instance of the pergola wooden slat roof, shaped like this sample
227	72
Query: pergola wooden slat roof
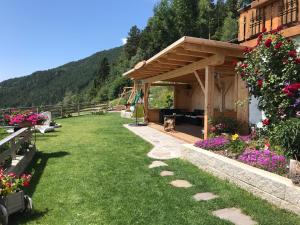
184	57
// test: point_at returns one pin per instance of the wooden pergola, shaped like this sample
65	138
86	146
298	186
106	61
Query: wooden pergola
190	59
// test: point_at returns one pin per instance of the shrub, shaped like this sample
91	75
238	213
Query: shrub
217	143
272	73
264	159
287	135
224	125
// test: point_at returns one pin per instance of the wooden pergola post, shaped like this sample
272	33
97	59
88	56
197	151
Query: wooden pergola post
146	103
209	98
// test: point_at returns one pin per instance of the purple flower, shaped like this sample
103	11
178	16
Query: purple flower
266	159
216	143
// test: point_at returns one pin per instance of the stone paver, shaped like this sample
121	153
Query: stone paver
181	184
206	196
156	164
235	216
165	146
166	173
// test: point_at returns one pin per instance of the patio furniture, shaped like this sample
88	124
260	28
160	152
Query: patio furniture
195	118
169	123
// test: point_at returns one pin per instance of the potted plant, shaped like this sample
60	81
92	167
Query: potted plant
12	198
26	119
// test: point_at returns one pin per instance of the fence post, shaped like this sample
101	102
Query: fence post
78	109
61	111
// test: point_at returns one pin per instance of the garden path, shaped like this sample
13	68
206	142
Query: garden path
167	147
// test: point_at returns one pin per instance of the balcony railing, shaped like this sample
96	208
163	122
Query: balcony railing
289	12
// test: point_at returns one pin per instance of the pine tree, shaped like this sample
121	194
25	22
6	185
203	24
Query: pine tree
186	12
133	41
229	30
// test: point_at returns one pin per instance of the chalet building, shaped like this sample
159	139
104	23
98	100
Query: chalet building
269	14
203	76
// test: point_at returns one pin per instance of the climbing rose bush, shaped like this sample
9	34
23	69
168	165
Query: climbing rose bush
271	71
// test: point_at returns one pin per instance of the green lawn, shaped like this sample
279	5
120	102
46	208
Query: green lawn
94	171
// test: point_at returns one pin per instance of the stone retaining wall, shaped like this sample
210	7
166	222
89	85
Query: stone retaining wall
276	189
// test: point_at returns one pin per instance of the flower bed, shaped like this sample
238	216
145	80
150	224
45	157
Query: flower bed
246	150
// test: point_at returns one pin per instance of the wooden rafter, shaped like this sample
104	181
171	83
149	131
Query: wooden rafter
213	60
199	81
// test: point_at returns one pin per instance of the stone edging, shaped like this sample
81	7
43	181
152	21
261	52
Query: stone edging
276	189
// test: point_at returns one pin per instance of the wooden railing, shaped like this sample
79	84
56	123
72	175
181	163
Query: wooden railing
60	111
10	145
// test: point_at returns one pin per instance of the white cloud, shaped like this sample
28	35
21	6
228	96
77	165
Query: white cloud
124	41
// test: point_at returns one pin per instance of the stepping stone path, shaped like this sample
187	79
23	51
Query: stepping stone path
235	216
166	173
205	196
181	184
156	164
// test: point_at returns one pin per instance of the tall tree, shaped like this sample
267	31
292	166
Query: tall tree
205	19
186	12
102	73
133	41
229	30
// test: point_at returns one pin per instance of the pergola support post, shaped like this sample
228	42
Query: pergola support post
209	98
146	87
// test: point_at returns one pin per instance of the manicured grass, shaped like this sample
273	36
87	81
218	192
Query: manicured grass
94	171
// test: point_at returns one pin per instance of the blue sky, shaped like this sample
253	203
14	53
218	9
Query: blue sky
42	34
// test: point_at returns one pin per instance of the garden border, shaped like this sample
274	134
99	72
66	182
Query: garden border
276	189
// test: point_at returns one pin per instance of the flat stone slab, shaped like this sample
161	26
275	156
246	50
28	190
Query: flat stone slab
206	196
156	164
165	146
235	216
181	184
166	173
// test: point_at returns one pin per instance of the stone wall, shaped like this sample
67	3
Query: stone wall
276	189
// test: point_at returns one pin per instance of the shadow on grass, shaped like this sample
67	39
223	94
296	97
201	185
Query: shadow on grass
37	166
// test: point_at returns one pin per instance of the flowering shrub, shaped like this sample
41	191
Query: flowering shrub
11	183
272	73
237	144
221	125
29	118
264	159
217	143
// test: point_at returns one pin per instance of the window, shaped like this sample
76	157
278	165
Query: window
288	11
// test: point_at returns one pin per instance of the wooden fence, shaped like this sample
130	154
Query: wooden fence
11	145
61	111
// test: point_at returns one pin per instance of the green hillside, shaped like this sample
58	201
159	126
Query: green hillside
52	86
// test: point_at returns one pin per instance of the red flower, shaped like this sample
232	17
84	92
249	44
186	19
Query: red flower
260	83
292	53
268	42
266	122
297	60
279	28
234	62
25	183
247	50
264	30
244	65
278	45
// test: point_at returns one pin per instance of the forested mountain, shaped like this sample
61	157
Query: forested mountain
54	85
99	77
